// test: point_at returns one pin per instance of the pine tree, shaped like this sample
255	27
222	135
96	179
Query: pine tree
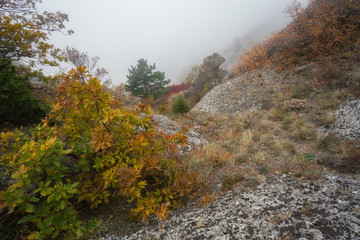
144	81
17	104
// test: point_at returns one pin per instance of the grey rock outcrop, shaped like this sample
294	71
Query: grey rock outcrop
214	61
347	120
206	76
246	92
280	208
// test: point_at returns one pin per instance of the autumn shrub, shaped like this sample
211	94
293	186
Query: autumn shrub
89	149
169	93
253	59
180	105
176	88
205	89
320	30
208	198
159	94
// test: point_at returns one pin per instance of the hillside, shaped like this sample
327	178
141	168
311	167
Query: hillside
281	158
268	150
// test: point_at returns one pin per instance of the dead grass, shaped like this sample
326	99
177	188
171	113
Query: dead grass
252	144
328	118
281	139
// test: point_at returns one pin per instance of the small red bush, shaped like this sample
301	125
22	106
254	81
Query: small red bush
176	88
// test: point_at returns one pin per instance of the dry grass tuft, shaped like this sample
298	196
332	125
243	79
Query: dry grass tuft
280	139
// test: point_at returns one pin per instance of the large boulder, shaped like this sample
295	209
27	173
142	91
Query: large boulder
205	77
214	61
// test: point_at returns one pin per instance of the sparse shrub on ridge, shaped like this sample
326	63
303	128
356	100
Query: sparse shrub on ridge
322	29
253	59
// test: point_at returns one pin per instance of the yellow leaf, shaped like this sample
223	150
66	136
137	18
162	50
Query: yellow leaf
33	235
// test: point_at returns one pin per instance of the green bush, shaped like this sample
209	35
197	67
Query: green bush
163	109
180	105
17	105
42	190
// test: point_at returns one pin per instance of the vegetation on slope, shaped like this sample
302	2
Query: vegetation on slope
87	151
323	29
90	149
316	52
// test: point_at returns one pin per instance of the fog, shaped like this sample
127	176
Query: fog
172	34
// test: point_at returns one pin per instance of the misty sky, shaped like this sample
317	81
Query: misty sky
171	33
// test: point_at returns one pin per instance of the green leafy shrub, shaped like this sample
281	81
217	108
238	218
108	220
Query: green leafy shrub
180	105
17	104
42	190
94	150
163	109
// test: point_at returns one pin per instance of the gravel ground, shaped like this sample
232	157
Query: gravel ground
347	120
282	207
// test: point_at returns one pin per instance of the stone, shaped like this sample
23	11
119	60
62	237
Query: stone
239	215
245	92
347	120
205	77
214	61
278	218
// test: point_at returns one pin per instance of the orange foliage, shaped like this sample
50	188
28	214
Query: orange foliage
320	30
254	59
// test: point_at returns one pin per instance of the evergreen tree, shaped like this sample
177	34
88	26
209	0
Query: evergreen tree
17	104
144	81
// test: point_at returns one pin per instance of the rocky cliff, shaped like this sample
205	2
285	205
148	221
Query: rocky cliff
206	76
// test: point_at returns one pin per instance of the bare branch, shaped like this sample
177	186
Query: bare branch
78	59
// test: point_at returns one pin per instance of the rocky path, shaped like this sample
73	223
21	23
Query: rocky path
282	207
